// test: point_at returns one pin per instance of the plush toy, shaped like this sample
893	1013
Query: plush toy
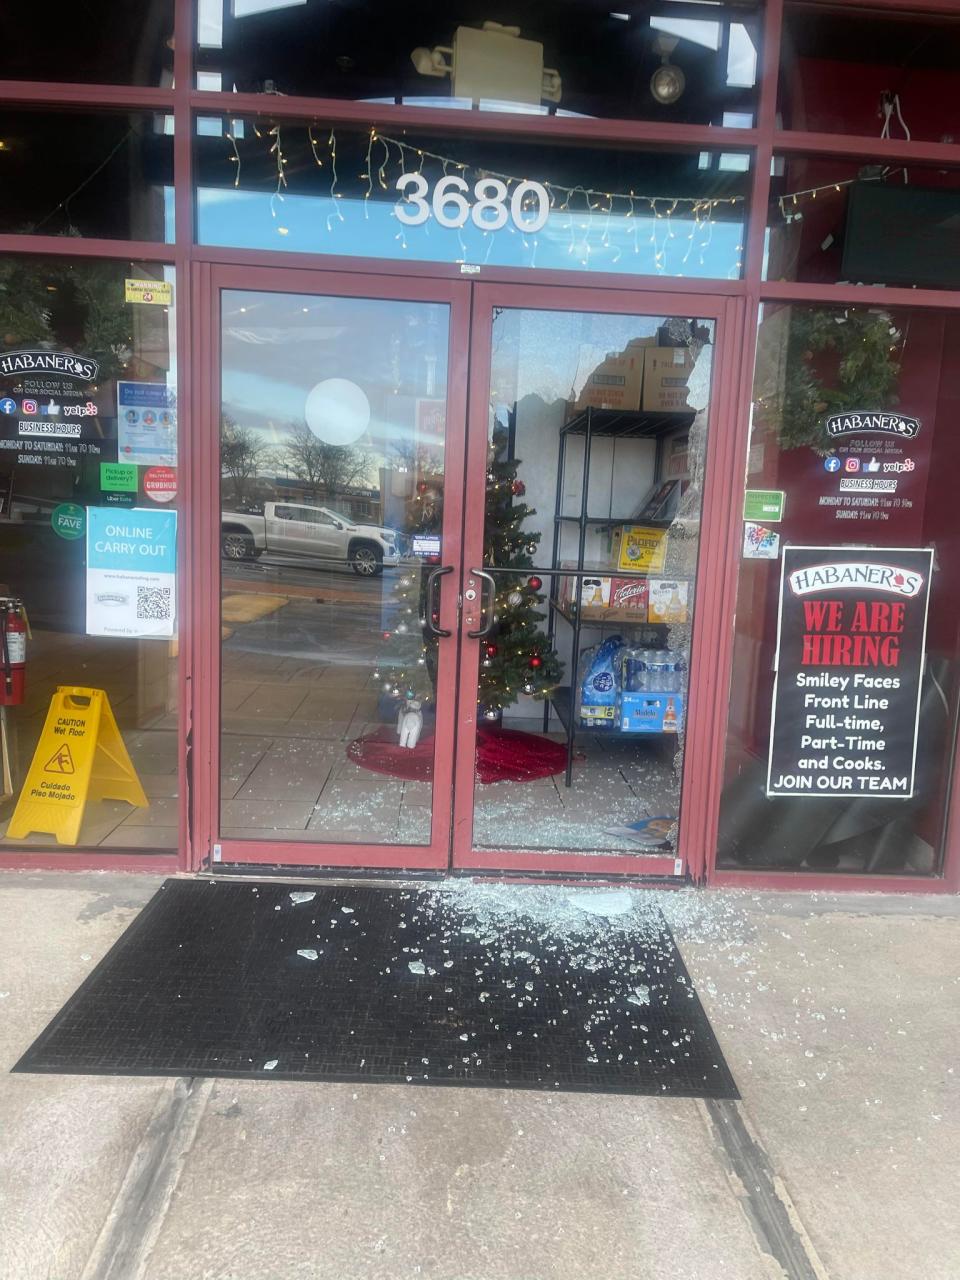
410	723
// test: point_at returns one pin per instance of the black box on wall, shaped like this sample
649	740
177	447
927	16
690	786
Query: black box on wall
902	235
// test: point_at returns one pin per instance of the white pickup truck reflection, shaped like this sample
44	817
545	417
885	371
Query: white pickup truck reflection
320	533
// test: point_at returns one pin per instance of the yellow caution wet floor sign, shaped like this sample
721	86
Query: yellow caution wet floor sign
80	757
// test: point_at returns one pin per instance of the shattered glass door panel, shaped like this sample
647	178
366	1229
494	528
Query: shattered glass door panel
596	448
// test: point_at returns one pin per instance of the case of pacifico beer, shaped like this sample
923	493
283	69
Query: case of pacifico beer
639	547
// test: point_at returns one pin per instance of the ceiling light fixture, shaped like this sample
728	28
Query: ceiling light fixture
668	81
491	62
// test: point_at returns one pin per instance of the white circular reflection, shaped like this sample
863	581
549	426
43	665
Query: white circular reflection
337	411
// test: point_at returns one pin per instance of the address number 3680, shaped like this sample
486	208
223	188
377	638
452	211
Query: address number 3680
492	206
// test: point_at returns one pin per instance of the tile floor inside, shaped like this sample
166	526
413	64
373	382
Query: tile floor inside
284	770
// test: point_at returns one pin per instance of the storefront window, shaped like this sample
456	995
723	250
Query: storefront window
296	187
878	73
860	222
689	63
843	703
88	502
98	41
107	175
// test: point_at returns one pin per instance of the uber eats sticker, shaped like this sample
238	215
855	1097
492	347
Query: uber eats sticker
850	650
131	571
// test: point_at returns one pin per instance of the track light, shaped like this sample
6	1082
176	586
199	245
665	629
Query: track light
668	81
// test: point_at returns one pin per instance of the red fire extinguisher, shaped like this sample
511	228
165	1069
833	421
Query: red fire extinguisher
13	651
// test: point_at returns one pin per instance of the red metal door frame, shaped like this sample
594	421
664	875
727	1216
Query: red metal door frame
705	716
204	750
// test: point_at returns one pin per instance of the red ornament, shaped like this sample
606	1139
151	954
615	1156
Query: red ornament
422	487
518	488
536	661
491	650
534	583
386	635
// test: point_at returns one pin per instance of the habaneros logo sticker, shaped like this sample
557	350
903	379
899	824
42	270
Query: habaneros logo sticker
856	574
13	362
882	424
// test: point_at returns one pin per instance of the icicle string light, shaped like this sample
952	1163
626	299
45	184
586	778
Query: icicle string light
313	148
788	203
586	208
590	194
334	193
235	158
276	150
596	200
368	173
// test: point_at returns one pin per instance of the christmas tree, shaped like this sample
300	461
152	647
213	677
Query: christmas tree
516	657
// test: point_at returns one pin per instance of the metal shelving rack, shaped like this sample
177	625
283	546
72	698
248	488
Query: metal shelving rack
593	424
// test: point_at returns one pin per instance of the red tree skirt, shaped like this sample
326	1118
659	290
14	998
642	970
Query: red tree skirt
503	755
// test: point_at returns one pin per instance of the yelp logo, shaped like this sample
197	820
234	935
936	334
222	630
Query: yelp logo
907	465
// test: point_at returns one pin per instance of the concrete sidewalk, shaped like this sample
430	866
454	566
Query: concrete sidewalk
838	1016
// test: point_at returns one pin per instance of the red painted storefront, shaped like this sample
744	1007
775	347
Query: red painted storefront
810	135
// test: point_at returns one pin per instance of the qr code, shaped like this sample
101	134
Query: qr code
153	603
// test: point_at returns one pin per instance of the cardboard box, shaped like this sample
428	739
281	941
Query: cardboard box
598	717
594	594
628	598
585	590
668	600
661	502
640	547
617	381
651	712
665	374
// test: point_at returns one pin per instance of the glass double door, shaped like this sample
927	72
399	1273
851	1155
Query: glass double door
459	531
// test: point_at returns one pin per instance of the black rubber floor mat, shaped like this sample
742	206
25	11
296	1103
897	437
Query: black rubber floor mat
445	986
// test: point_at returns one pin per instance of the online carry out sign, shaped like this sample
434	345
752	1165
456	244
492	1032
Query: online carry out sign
850	652
131	571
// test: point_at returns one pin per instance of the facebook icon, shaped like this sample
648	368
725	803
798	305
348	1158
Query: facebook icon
832	463
8	406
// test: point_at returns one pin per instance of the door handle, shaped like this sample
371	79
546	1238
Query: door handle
488	608
433	577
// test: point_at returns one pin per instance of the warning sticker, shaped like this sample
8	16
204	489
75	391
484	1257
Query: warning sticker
61	761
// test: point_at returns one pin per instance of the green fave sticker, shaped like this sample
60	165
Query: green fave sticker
763	505
69	521
118	477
